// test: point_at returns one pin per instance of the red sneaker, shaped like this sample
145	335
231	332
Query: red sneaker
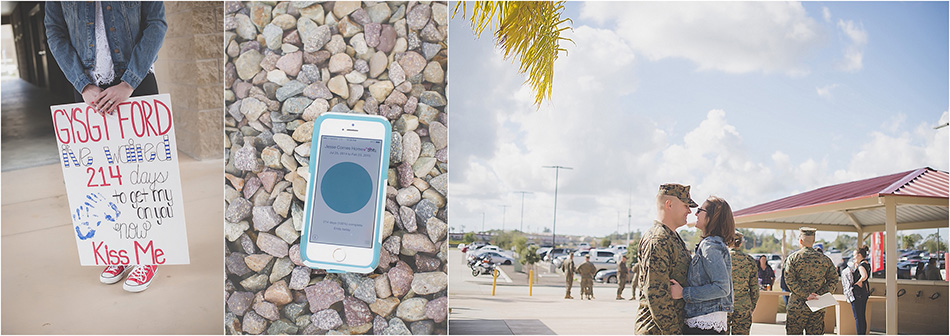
139	279
112	274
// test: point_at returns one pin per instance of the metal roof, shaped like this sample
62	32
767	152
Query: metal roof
925	182
921	197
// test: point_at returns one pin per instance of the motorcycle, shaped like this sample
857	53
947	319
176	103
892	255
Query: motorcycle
482	266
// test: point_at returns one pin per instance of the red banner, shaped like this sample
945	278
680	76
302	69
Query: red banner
877	251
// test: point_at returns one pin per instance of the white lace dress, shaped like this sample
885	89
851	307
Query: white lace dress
103	72
717	321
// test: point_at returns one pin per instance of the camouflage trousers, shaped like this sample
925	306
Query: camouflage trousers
813	323
568	284
621	284
587	286
740	322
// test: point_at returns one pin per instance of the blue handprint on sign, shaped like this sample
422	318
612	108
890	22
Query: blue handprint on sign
91	214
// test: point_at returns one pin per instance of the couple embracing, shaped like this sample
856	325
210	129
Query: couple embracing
683	294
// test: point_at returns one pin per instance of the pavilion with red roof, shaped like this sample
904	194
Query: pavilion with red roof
915	199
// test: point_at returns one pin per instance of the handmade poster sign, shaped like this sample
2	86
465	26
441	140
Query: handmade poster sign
122	182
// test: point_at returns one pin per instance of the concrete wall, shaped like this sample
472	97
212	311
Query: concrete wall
915	315
189	68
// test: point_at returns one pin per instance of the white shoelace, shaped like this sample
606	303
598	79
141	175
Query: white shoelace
139	273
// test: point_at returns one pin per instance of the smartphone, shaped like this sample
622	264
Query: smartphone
349	162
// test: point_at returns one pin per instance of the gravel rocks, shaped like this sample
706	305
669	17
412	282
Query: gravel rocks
288	63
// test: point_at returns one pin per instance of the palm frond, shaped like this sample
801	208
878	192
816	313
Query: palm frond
527	30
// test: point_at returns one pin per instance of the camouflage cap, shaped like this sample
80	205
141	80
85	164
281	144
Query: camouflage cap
679	191
807	231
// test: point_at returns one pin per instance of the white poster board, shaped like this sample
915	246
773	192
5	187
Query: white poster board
122	182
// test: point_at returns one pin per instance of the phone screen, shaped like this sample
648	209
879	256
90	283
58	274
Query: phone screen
344	198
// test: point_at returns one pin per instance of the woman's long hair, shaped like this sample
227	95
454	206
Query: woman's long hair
721	223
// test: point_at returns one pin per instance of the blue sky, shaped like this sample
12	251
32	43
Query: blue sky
748	101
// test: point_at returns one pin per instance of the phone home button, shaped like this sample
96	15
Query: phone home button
339	255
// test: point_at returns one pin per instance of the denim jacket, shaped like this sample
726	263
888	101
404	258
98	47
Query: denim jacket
708	286
135	31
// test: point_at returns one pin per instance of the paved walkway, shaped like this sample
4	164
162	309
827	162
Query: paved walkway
45	291
474	311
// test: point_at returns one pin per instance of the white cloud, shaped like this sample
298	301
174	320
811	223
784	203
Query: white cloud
853	52
890	153
825	91
826	13
734	37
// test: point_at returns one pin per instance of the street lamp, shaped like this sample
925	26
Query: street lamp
522	207
504	209
557	169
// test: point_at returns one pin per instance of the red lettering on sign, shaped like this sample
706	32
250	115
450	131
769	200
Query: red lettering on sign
149	250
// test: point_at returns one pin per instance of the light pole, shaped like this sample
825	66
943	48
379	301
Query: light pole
504	209
522	207
557	169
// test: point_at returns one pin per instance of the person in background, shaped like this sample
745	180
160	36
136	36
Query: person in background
932	272
106	49
765	273
745	288
623	273
854	281
568	267
587	271
810	274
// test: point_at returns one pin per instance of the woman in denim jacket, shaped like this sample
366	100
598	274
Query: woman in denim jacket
708	291
106	48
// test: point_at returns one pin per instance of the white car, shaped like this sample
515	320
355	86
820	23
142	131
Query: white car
496	257
485	248
773	260
583	247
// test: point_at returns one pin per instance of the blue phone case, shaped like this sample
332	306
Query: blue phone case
381	196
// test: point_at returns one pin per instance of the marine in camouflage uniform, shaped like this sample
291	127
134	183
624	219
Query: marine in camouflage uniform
746	288
635	279
587	271
808	272
622	276
568	267
663	256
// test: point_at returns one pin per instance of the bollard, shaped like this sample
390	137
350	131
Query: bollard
530	282
494	281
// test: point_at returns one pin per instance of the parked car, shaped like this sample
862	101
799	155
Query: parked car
603	259
610	276
484	249
557	253
583	247
496	257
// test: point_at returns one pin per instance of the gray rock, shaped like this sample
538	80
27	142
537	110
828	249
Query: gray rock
381	285
408	218
392	244
425	263
426	113
323	294
290	89
273	35
436	229
317	90
423	166
406	123
237	210
265	218
294	310
232	324
405	174
240	302
356	311
246	158
379	323
429	50
235	264
244	27
395	148
326	319
411	147
314	37
396	73
348	27
408	196
272	245
429	282
366	291
440	183
255	283
267	310
425	209
253	323
233	231
412	309
432	98
422	327
282	268
439	134
299	277
431	33
418	16
378	12
296	105
281	327
396	327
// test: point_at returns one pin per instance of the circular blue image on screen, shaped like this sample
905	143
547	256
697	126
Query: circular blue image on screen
346	187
